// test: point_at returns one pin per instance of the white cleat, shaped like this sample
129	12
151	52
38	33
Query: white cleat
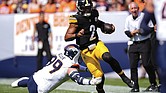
15	83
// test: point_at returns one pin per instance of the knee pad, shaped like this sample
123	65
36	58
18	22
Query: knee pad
112	62
107	57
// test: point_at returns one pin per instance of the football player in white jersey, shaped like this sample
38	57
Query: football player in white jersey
158	8
62	67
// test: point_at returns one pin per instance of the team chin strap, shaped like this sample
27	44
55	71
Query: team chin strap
75	76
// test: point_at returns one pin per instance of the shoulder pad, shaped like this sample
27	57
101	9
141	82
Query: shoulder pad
95	12
72	20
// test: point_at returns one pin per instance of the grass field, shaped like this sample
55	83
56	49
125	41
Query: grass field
111	86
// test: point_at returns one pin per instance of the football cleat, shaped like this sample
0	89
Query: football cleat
134	90
152	88
15	83
128	81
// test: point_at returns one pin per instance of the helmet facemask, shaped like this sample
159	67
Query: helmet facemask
72	51
84	7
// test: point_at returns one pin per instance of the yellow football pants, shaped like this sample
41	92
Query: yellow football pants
92	57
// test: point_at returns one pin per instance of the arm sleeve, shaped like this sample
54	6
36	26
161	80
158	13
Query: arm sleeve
126	28
75	76
100	24
145	29
83	68
128	34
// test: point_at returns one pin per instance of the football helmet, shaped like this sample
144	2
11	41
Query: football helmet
84	7
72	51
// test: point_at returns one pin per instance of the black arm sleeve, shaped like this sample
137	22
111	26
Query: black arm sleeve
100	24
128	34
144	24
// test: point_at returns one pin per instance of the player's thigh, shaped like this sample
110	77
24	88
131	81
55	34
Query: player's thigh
100	50
93	65
32	86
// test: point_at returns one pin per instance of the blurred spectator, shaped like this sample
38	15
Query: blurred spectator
101	5
50	7
21	7
141	4
127	2
42	2
12	4
67	6
122	5
117	5
34	7
4	8
57	4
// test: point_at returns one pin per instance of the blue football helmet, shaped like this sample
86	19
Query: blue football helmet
72	51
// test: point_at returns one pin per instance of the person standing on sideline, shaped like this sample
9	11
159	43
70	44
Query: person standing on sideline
139	46
154	42
44	36
155	10
83	27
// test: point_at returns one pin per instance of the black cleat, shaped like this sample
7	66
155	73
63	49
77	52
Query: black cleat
128	81
152	88
134	90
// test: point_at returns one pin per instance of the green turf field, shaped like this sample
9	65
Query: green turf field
111	86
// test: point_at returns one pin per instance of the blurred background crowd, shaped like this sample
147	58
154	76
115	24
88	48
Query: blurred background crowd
52	6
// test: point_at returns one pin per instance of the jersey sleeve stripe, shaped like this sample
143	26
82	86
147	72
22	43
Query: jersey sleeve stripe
72	19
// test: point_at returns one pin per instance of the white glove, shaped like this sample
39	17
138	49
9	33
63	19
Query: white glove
95	81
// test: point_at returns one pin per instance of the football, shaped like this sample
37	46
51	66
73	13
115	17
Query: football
108	28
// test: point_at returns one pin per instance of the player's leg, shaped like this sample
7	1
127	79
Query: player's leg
22	82
32	86
47	50
39	59
102	52
99	87
145	55
94	67
134	58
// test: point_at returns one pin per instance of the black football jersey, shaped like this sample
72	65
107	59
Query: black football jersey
43	30
89	24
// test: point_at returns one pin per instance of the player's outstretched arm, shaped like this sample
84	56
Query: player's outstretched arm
75	76
80	67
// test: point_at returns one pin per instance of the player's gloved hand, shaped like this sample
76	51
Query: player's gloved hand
95	81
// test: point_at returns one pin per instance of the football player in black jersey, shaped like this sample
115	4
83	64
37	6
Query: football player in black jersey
83	27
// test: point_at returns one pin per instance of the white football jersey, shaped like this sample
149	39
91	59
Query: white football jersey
160	14
54	73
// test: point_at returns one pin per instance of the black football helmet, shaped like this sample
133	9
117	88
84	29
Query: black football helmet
84	7
72	51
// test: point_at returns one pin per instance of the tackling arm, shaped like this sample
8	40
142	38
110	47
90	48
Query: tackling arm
75	76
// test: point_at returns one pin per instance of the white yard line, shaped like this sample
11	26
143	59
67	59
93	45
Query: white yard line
108	88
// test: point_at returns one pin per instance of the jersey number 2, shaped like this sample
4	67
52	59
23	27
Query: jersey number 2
92	29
